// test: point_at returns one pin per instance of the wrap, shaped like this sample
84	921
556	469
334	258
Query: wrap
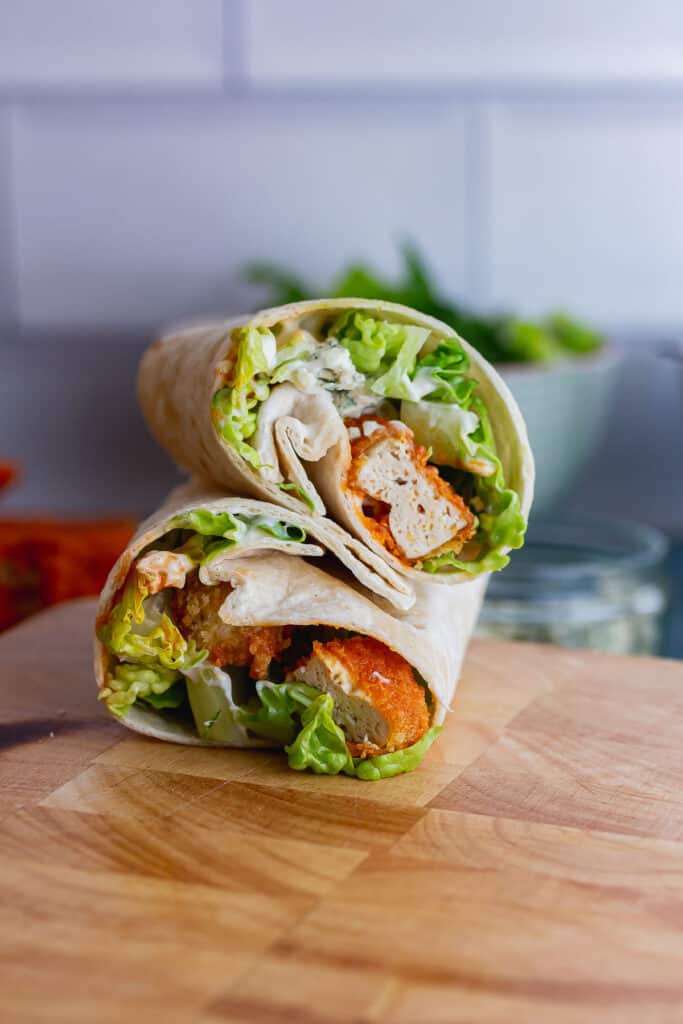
228	622
371	412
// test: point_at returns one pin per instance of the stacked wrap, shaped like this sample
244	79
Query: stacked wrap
357	471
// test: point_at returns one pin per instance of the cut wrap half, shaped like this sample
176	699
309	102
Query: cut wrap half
369	411
227	623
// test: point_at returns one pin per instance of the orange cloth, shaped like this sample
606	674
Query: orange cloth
45	561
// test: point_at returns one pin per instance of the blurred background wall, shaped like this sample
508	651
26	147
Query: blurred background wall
533	149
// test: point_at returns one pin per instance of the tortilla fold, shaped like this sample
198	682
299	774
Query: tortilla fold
274	585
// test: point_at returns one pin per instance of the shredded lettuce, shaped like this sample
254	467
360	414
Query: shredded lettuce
152	649
386	351
449	430
212	692
445	367
272	713
275	712
385	766
214	532
396	382
321	744
280	530
151	683
174	697
234	407
388	354
366	343
300	349
139	630
300	492
209	524
501	523
220	530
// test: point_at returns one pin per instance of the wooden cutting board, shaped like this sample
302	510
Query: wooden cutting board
531	870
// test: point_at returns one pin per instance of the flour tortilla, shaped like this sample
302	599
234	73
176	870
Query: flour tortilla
181	371
274	585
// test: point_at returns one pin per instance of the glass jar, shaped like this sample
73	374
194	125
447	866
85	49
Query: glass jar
591	585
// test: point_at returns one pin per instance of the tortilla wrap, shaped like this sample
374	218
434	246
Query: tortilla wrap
274	585
369	568
301	437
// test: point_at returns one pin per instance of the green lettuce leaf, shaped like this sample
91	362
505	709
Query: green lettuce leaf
365	341
525	342
234	407
501	523
174	697
208	524
217	531
300	492
449	430
152	649
213	693
385	766
573	336
280	530
139	630
202	549
214	532
128	683
499	338
226	709
445	367
397	382
385	351
297	352
276	712
321	745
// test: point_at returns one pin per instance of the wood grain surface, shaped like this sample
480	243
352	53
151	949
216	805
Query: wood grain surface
530	870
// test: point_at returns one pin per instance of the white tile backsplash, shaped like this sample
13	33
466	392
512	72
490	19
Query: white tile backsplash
111	42
69	418
134	216
455	41
586	210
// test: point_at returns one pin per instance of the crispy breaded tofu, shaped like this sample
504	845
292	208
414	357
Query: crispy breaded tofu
196	615
402	500
377	700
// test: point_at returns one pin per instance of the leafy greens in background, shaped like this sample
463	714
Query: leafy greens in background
500	338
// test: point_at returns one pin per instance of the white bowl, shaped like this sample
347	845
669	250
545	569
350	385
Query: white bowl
566	406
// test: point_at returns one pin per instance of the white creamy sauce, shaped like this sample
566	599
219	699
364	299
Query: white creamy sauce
308	364
269	349
332	365
370	427
351	404
164	569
